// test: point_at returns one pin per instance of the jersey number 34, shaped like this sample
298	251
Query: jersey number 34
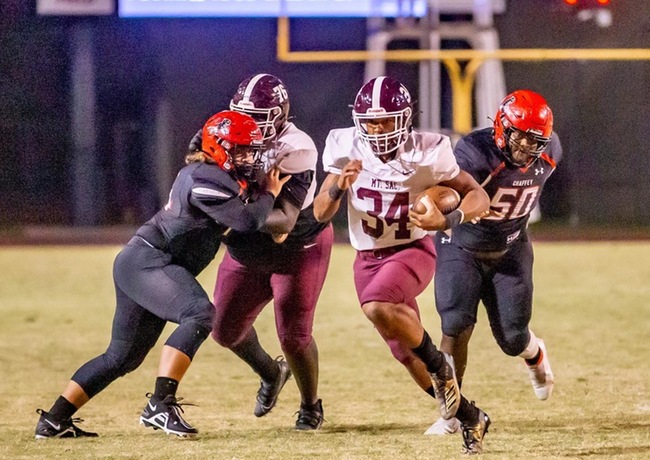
397	212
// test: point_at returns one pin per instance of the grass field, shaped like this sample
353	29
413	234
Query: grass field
591	307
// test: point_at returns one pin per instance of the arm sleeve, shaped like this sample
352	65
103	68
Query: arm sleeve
296	189
223	204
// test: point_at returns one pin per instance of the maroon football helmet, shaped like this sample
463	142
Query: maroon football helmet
383	98
523	126
263	97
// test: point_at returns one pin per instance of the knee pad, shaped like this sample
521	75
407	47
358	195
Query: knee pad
188	337
513	344
454	323
294	344
199	313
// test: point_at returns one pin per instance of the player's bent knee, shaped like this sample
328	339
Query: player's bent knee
379	313
453	326
515	344
295	344
200	313
188	337
225	337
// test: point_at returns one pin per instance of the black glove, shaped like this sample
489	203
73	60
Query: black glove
197	140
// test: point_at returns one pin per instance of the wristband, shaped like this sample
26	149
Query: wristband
454	219
335	192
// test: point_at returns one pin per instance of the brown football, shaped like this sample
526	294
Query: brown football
446	199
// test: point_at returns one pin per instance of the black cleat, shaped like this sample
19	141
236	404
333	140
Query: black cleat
310	417
445	387
268	393
474	434
167	415
47	427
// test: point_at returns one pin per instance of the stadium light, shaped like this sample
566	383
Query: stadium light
587	3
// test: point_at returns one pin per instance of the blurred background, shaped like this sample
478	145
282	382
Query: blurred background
96	109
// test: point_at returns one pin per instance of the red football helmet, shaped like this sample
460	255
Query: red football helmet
264	98
523	126
383	98
234	141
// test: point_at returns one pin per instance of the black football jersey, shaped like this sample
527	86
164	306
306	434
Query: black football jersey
513	191
204	203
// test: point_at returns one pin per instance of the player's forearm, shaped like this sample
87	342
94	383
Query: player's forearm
281	220
328	200
325	208
474	204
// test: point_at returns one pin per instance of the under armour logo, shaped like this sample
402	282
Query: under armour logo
539	171
445	239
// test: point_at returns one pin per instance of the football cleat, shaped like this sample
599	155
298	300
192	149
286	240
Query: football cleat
310	417
445	387
47	427
442	427
166	415
541	375
268	393
474	434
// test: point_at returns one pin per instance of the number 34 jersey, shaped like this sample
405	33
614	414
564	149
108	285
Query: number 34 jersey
380	198
513	191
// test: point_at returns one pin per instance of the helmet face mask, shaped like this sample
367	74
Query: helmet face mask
263	97
382	114
522	127
234	141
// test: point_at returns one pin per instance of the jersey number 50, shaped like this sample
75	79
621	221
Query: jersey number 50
512	203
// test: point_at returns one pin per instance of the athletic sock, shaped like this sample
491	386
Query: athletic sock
429	354
62	409
164	387
467	412
254	355
535	360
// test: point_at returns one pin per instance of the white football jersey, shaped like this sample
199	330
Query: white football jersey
380	198
294	152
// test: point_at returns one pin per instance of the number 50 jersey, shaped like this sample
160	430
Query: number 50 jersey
380	198
513	191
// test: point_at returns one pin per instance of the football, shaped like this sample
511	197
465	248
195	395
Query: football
446	199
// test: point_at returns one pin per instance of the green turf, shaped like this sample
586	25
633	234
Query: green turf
591	307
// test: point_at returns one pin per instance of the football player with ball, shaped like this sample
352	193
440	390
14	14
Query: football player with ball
381	165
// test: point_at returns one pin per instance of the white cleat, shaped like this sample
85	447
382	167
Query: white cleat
541	375
443	427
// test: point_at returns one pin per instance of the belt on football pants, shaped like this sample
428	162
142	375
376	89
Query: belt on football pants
382	253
